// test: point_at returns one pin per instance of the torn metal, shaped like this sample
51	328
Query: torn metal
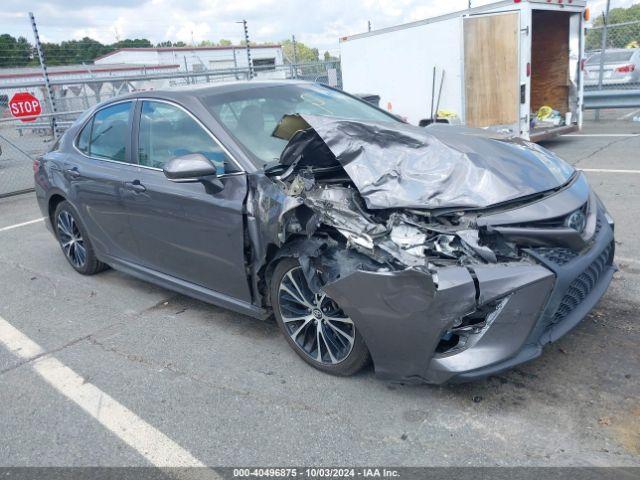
426	238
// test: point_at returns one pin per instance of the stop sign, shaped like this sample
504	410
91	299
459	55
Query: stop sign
23	105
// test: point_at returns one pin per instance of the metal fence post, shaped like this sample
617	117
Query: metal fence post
248	47
45	74
602	51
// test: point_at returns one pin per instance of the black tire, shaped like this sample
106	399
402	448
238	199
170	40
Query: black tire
74	240
342	361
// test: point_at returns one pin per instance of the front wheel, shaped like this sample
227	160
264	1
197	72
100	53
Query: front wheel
314	325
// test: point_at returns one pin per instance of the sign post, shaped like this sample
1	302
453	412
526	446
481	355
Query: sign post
25	106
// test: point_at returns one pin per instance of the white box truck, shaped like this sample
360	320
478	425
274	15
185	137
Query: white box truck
502	62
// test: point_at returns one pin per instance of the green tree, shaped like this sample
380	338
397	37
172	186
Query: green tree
330	58
304	54
14	52
617	37
133	43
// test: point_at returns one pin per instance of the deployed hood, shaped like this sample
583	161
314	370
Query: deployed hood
395	165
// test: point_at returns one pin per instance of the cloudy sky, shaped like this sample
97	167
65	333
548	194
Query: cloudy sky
317	23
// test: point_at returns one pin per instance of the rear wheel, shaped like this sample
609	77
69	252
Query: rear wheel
74	240
314	325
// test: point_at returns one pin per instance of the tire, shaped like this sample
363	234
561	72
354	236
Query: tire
331	327
74	240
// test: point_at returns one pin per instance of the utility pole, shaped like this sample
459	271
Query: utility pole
602	50
246	40
45	74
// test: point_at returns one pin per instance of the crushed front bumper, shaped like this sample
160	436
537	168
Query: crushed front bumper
403	315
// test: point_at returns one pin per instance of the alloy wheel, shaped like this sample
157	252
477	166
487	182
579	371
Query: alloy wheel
71	239
314	321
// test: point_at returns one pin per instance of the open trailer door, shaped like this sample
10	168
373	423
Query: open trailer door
491	72
555	72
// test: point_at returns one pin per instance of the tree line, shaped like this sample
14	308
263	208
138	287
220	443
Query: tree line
19	52
626	36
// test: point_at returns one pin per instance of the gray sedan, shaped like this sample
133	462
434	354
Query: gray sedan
434	253
621	66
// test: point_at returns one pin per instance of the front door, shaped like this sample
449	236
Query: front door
182	230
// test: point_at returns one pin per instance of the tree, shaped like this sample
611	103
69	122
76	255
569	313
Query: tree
330	58
15	52
133	43
617	37
304	54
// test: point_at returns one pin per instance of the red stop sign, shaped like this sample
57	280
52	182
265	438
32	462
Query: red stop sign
23	105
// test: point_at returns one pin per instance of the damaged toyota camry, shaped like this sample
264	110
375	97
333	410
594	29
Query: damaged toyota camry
438	254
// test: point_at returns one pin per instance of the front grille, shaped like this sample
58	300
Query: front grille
581	287
558	255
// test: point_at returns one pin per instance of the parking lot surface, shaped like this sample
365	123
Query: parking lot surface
111	371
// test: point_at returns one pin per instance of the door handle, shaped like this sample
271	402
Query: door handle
72	172
135	186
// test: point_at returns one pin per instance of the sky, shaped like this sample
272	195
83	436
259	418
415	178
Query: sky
318	23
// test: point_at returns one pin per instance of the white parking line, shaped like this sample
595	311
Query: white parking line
605	170
601	135
18	225
149	442
628	260
629	115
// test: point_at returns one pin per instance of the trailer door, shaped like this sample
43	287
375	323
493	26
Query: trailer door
491	70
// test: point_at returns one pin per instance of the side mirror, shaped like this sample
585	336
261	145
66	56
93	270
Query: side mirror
189	168
193	167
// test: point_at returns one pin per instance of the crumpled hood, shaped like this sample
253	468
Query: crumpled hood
395	165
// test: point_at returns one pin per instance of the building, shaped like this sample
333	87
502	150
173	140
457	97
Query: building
80	73
76	87
196	59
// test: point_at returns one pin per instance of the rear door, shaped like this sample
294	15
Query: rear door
491	72
96	174
182	230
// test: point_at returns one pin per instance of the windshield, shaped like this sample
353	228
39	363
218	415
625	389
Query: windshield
252	115
610	57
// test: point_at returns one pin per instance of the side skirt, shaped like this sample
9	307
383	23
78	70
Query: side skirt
186	288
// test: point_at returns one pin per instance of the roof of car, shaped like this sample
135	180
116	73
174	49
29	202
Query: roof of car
204	90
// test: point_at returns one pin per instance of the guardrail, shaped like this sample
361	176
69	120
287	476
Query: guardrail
595	99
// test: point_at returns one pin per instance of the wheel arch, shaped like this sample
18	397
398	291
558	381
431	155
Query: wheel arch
55	199
275	254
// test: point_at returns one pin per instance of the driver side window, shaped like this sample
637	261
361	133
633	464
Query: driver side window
167	131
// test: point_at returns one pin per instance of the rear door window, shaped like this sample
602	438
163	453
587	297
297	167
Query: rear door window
83	138
610	57
110	133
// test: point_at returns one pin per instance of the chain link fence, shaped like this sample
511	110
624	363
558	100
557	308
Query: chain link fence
23	141
612	61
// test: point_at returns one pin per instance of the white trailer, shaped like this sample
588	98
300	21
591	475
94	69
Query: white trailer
502	62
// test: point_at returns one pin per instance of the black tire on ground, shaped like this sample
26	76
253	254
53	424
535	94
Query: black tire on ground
357	358
90	264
